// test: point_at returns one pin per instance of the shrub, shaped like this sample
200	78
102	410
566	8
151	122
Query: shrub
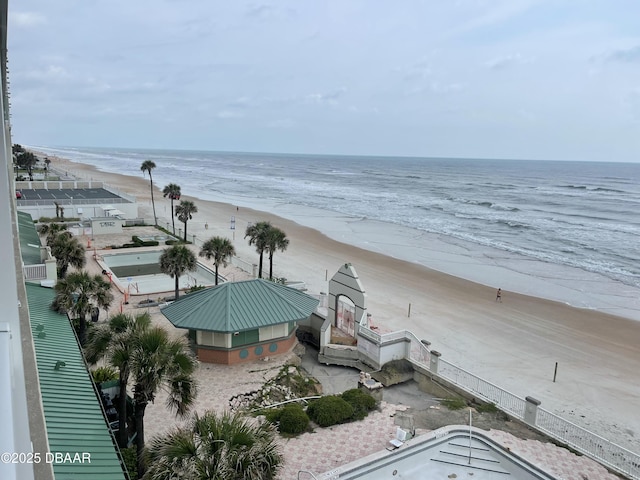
487	407
329	410
272	414
361	402
104	374
293	419
140	243
130	461
454	403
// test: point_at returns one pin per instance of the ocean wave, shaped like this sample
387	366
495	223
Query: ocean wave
592	189
484	203
516	225
579	215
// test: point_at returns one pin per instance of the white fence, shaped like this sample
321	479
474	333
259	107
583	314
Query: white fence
507	401
35	272
584	441
604	451
600	449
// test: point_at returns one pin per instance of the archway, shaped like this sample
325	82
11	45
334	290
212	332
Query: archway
345	315
346	301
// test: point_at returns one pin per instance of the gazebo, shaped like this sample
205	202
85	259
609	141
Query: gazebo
241	321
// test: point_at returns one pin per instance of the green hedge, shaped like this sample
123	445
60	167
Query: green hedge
361	402
139	243
330	410
293	419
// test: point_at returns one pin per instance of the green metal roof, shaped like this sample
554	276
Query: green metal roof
28	235
72	410
238	306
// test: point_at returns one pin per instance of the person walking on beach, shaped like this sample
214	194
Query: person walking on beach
499	295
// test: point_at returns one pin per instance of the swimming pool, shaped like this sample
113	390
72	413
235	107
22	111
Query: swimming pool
138	273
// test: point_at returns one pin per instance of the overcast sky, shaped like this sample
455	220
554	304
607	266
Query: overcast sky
539	79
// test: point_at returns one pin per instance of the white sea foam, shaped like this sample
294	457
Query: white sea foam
567	231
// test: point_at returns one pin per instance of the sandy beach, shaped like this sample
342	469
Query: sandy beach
514	344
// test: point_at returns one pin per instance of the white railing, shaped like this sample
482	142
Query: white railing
582	440
595	446
393	336
370	335
323	298
35	272
242	265
600	449
503	399
419	353
67	201
57	184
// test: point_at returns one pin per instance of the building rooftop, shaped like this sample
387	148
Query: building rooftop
239	306
73	413
29	240
40	196
450	452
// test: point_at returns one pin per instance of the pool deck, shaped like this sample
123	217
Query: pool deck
325	448
99	246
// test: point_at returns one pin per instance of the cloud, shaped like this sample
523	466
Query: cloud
632	103
417	71
437	87
229	114
26	19
282	123
505	61
241	103
626	55
48	73
330	98
259	11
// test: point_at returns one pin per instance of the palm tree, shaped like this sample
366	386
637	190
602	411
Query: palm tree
157	362
173	192
212	446
114	341
276	240
257	234
47	163
175	261
68	251
147	166
218	248
79	293
51	230
184	212
26	160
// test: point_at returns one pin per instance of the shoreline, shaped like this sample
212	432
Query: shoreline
482	264
513	344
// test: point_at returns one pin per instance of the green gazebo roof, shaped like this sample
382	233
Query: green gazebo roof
239	306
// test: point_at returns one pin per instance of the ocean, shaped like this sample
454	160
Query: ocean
567	231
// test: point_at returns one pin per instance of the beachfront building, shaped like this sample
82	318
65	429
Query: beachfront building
241	321
69	435
21	413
